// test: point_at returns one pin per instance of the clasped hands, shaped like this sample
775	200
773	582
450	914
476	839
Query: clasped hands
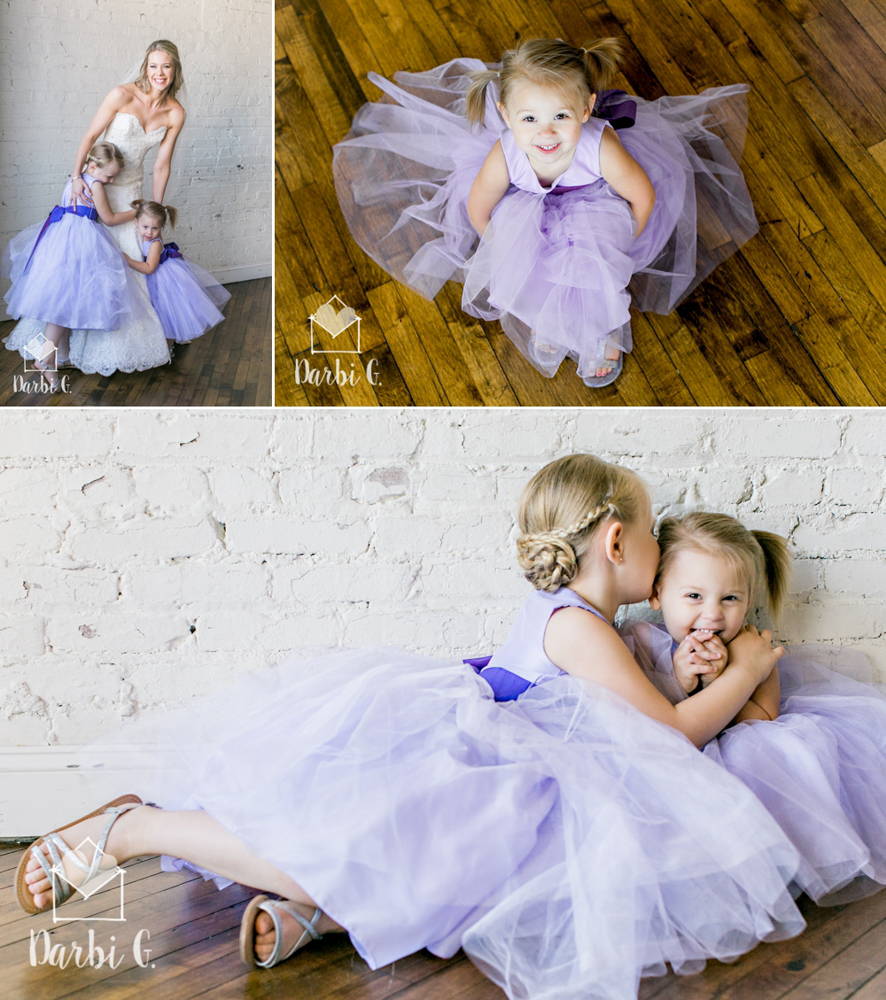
702	656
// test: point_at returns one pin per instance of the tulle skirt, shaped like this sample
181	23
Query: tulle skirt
187	299
566	841
76	277
560	270
819	769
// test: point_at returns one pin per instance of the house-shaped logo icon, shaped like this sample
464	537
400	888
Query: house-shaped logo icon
335	321
40	349
107	878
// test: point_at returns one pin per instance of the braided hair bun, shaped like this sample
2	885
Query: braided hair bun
561	509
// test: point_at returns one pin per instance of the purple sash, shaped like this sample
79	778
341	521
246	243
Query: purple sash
616	107
170	250
56	215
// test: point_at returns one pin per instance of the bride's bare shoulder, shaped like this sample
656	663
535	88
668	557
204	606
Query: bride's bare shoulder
176	111
122	94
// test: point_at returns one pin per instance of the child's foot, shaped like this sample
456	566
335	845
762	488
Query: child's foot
51	377
273	930
75	843
610	361
265	934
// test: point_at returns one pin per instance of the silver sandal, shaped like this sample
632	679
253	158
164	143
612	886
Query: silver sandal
272	908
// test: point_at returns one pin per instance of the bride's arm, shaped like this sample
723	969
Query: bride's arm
103	117
160	176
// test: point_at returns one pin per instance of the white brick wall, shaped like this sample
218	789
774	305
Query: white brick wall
57	63
147	557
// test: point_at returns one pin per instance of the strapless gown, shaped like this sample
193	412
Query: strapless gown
139	343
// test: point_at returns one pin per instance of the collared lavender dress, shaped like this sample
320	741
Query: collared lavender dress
559	266
566	841
819	768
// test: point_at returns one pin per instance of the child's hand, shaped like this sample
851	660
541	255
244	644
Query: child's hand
80	193
753	651
700	656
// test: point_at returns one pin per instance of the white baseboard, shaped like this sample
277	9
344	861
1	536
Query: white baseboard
243	272
42	788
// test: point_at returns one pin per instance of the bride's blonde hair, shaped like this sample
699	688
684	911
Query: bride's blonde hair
561	509
162	45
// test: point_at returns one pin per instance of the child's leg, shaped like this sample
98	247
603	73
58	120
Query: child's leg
52	335
193	835
63	353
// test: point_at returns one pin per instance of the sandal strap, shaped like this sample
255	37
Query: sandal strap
61	888
59	852
272	908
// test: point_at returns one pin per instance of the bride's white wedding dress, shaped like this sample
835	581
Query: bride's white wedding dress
140	343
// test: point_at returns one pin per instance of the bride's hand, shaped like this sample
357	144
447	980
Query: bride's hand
80	193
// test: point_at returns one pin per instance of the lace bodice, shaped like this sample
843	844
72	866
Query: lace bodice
127	134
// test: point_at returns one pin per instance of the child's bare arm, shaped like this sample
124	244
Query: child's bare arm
488	189
150	265
765	702
626	177
109	218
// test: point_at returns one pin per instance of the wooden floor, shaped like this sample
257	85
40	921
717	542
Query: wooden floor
797	318
229	366
193	935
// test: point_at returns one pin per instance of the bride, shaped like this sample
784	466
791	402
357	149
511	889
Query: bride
135	117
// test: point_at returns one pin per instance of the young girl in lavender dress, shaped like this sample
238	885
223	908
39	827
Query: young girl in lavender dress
186	298
67	272
814	749
570	839
576	219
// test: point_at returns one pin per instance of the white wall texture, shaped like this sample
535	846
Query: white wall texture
59	60
147	557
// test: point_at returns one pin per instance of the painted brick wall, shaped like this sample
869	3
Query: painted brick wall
57	63
148	557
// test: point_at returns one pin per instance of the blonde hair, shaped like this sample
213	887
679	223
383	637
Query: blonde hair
102	153
762	556
549	62
155	210
161	45
561	509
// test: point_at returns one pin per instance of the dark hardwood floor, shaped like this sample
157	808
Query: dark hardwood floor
797	317
228	366
192	934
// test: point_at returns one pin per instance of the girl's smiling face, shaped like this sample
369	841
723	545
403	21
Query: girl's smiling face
545	127
702	592
149	228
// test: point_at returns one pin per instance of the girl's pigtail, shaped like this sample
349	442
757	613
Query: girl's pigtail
137	204
171	214
777	561
475	100
602	60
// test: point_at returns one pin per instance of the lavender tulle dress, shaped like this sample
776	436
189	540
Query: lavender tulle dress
566	841
67	270
186	298
559	266
819	768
